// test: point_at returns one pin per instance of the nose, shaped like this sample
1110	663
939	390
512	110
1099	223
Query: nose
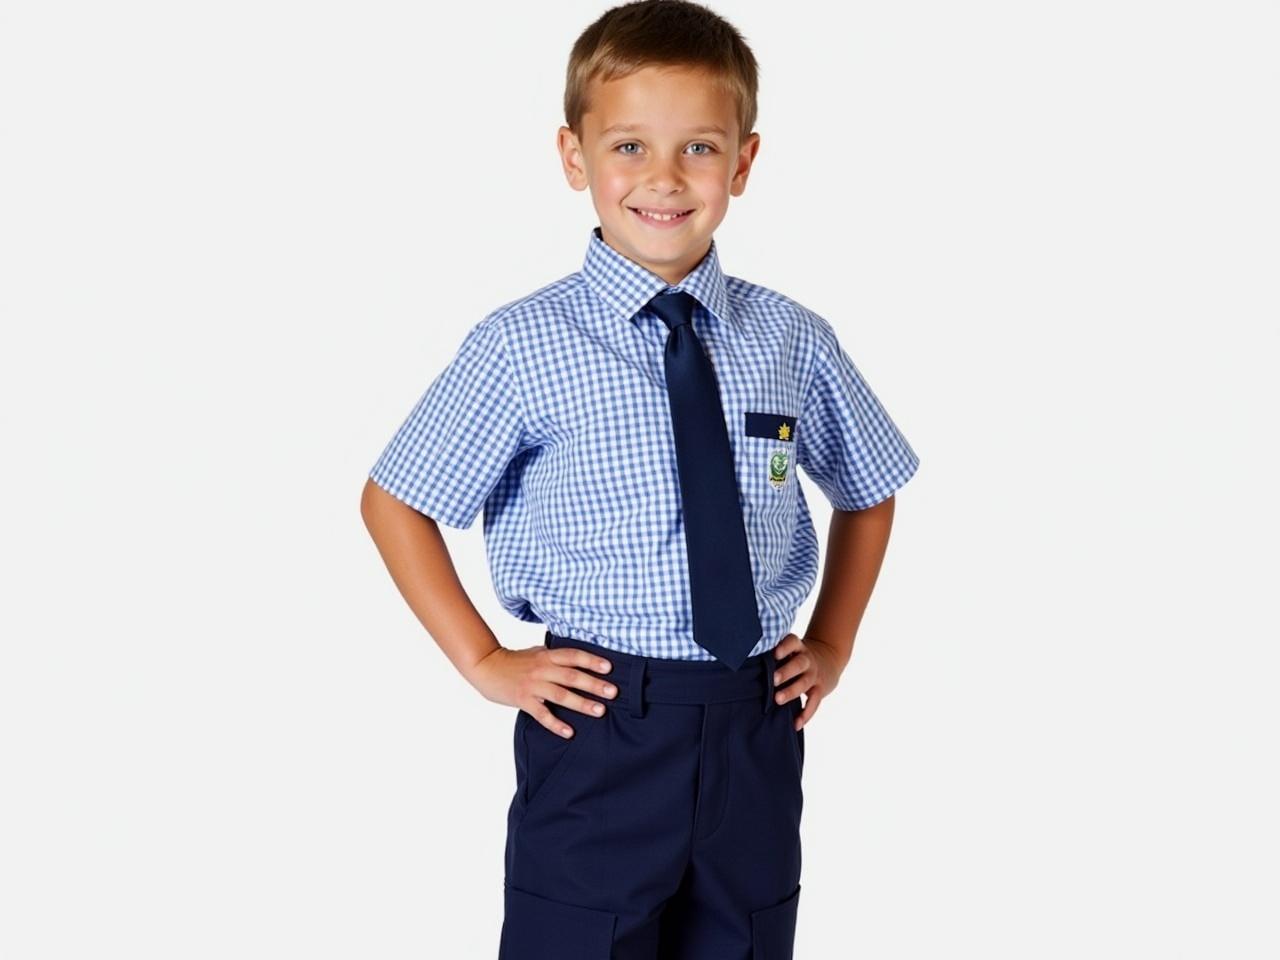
664	177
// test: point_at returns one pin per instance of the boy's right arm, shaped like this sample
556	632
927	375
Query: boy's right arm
418	560
415	554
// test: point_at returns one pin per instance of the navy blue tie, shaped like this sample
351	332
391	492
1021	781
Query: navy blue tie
726	620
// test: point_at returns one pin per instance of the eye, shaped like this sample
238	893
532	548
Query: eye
710	148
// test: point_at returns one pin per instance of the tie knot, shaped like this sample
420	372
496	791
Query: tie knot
675	307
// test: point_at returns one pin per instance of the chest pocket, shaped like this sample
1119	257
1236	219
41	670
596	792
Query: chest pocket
771	426
768	455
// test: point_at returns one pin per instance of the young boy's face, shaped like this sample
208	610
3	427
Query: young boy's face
679	153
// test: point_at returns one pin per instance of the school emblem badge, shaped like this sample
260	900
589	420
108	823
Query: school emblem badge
778	467
773	426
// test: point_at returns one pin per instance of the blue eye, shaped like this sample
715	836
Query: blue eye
632	143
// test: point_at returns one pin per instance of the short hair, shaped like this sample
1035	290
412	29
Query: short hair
645	33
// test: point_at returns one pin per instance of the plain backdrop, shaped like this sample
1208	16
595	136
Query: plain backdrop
237	241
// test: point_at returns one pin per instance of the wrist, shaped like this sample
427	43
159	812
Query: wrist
839	653
472	672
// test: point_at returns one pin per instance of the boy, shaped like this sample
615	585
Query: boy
631	431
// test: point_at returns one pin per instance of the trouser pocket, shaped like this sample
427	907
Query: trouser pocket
798	734
773	929
541	755
538	928
788	715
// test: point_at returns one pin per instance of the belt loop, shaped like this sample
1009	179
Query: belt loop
637	686
769	662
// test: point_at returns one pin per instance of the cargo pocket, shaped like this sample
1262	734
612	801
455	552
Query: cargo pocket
773	930
535	928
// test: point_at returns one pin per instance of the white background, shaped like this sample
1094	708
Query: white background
238	239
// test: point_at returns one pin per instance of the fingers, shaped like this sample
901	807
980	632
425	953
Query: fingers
573	657
573	672
564	672
549	720
810	708
794	667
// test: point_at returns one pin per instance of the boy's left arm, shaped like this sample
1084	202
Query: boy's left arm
856	543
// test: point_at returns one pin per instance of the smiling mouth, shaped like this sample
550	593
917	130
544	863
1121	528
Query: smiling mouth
660	216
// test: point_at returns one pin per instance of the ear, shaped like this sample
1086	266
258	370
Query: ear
571	159
746	156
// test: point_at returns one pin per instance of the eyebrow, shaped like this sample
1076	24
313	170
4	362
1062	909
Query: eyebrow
632	127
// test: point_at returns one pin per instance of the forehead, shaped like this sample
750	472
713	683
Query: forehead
659	99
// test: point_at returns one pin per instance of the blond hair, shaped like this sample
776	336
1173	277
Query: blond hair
646	33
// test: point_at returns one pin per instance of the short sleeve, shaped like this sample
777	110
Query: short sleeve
452	449
845	440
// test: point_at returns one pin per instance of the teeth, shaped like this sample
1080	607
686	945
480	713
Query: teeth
659	216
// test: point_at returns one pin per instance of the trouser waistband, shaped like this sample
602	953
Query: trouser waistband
642	680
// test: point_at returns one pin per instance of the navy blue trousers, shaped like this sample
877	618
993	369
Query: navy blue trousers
666	829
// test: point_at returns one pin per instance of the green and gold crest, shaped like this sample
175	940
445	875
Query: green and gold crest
778	468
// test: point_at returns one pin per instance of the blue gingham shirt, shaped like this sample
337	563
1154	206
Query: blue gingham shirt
553	416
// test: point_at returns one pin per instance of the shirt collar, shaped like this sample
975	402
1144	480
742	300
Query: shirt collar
625	286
